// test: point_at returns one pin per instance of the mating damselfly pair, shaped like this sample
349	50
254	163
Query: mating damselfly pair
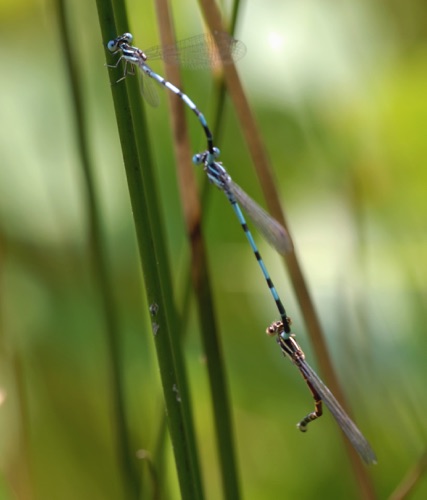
205	51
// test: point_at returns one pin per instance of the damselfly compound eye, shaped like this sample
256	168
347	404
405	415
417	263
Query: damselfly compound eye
112	45
197	159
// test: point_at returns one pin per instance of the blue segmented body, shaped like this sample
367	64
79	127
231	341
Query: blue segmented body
202	51
272	230
278	237
184	97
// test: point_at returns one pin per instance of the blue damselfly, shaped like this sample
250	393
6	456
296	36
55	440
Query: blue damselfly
273	232
276	235
200	51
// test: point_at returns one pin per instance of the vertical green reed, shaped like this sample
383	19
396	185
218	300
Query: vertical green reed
149	228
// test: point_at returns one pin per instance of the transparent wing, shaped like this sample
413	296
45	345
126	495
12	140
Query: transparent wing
200	51
148	88
347	425
274	233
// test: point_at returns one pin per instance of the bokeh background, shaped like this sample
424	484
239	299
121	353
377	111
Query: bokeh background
339	92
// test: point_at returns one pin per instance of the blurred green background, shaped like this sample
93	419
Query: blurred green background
339	92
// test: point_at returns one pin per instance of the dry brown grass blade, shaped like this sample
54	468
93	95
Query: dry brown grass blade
199	270
259	156
186	178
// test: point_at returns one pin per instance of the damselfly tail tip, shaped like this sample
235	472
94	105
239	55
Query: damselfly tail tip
302	427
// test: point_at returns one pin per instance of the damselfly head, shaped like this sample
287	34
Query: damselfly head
274	328
127	37
114	45
278	328
198	158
